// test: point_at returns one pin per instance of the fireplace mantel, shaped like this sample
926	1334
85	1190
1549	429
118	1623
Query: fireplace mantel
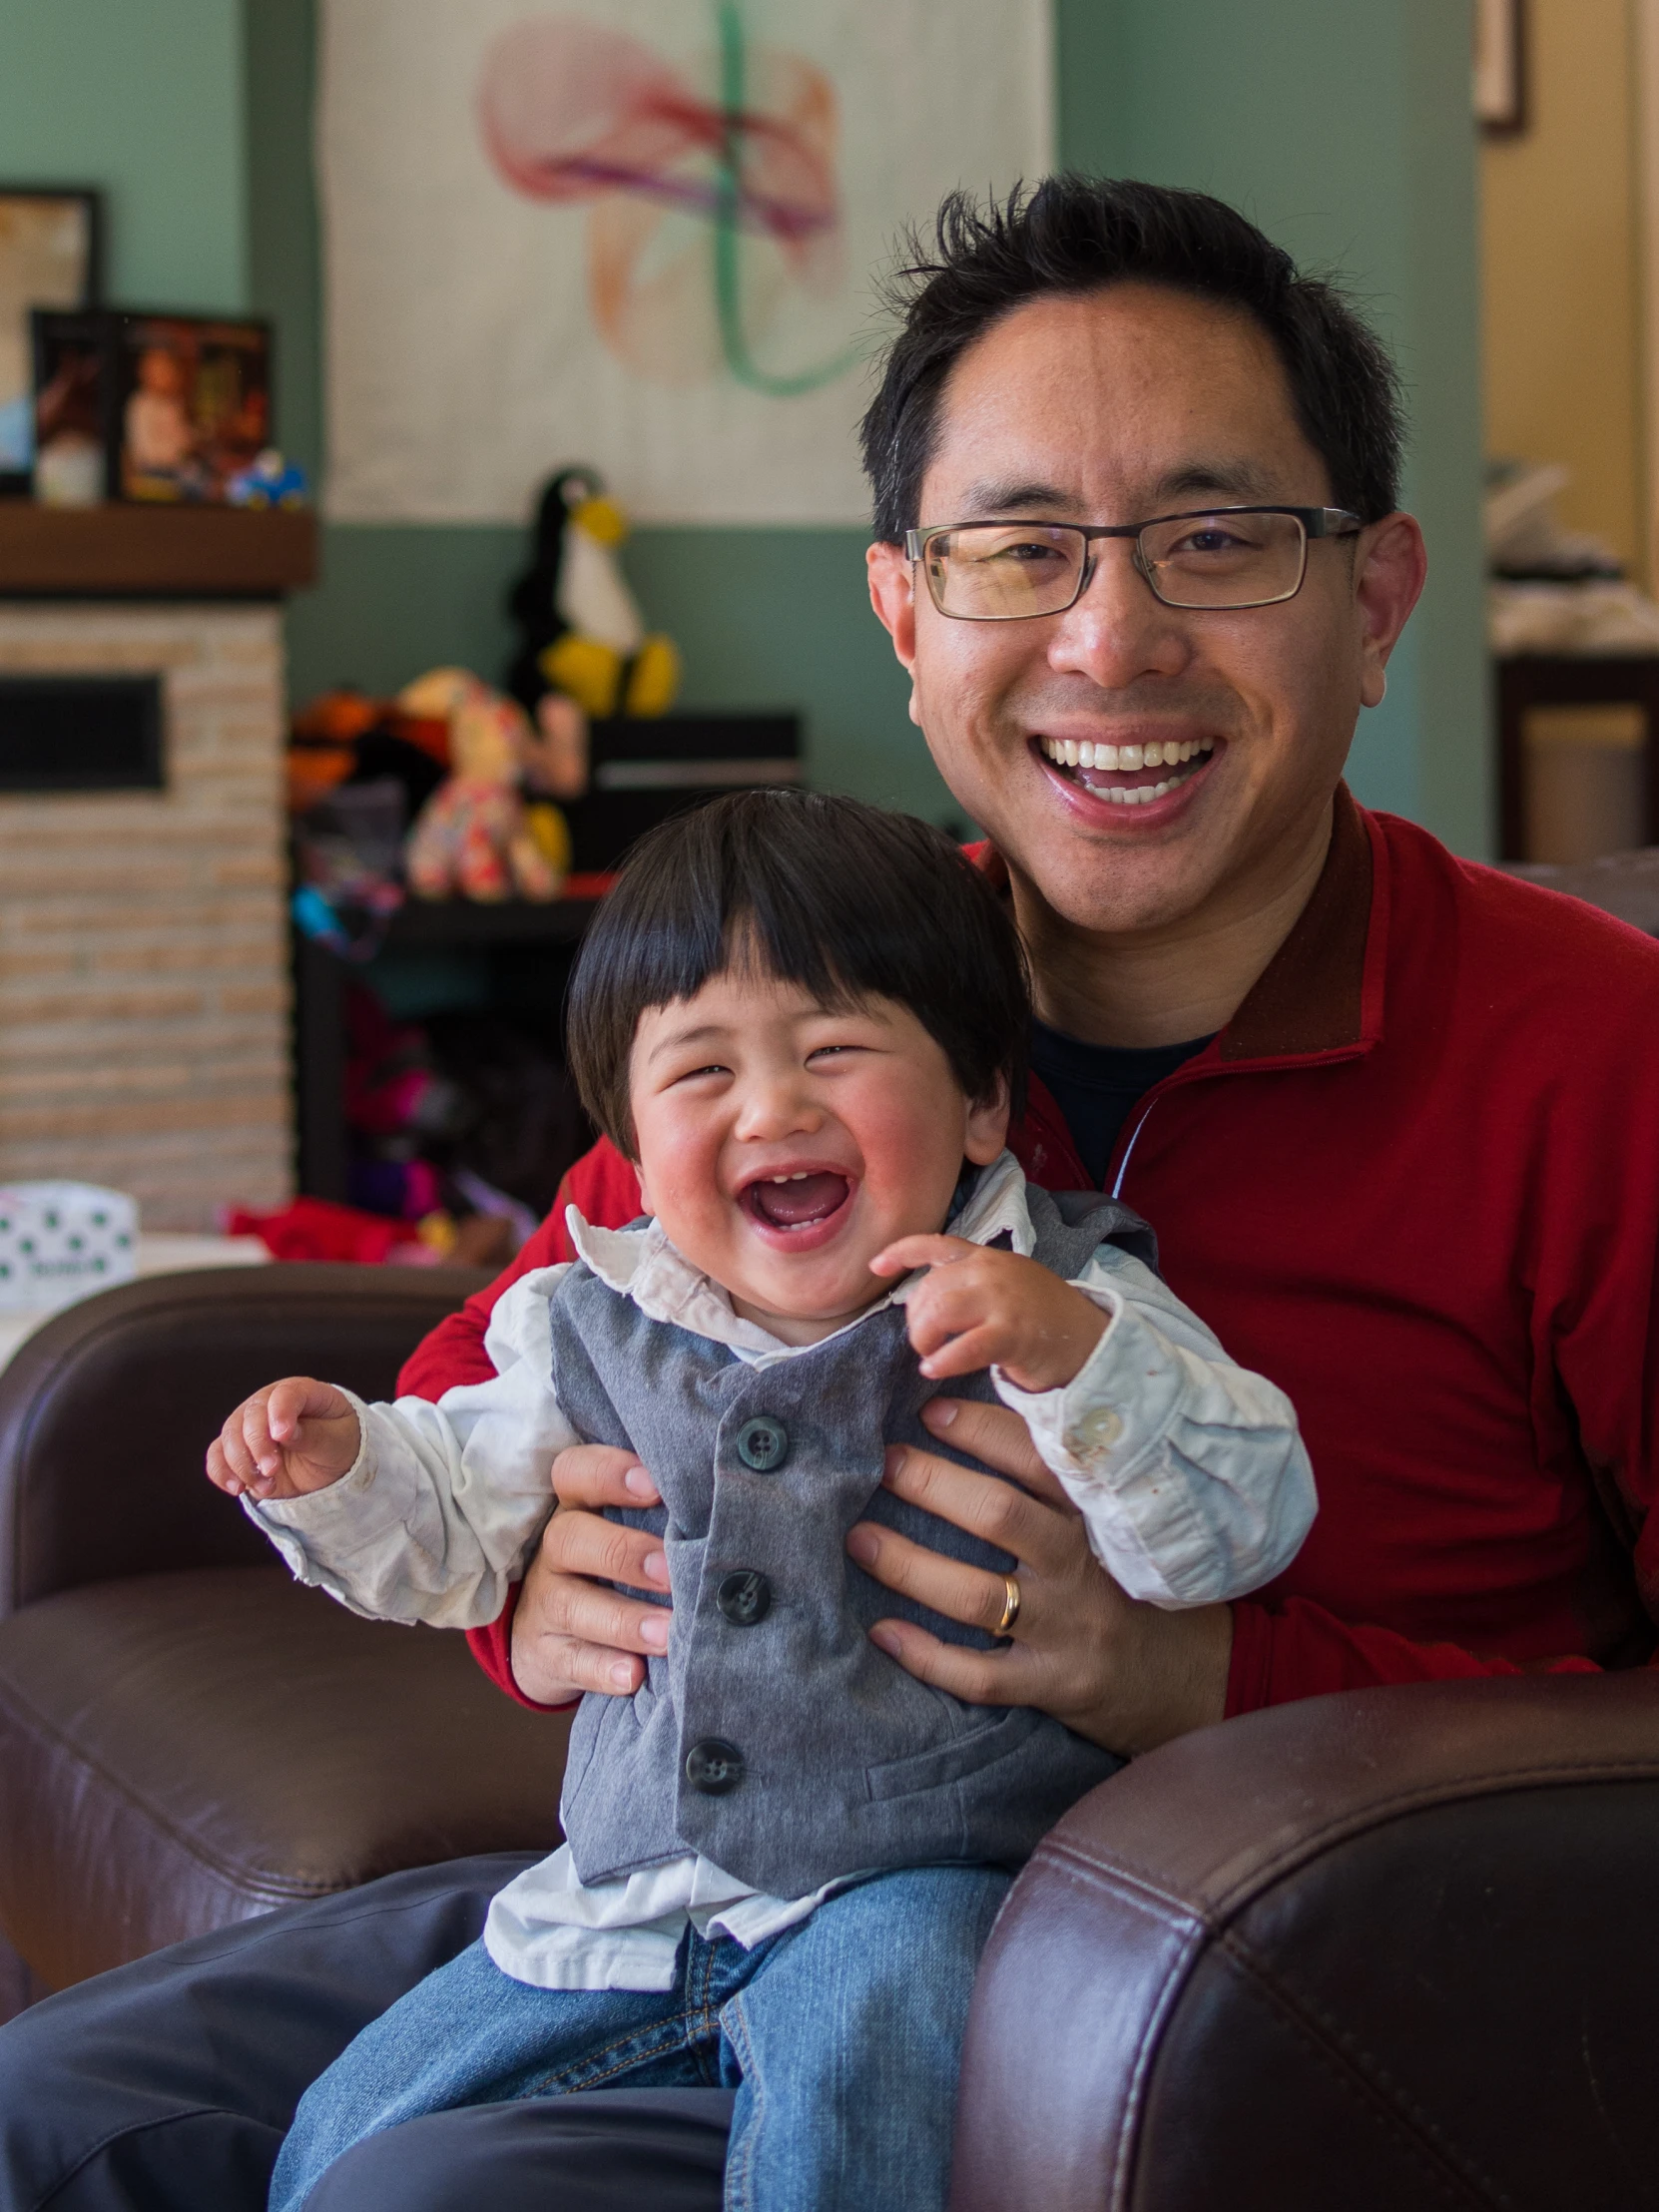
154	552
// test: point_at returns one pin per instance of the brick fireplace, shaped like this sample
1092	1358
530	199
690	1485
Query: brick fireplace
144	980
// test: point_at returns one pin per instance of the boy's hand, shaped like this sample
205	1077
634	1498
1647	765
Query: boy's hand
287	1440
978	1307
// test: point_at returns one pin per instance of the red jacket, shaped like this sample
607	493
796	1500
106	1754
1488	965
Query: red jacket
1414	1181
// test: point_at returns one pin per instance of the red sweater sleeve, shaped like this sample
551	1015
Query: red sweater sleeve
604	1189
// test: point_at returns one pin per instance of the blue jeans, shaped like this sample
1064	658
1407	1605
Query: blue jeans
843	2037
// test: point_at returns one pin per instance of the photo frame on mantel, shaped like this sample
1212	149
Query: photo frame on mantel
51	256
1500	66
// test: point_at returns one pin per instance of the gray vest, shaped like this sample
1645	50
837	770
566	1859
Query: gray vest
775	1738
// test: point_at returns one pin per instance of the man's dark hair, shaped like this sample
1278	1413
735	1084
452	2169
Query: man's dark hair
1081	234
844	900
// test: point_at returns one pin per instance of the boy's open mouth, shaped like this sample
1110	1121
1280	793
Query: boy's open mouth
798	1200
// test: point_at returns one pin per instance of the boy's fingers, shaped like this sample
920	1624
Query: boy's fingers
601	1474
297	1399
964	1355
219	1471
237	1459
920	1252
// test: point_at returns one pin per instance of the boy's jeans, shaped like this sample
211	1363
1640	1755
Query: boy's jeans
842	2037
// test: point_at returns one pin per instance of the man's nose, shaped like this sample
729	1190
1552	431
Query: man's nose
1118	629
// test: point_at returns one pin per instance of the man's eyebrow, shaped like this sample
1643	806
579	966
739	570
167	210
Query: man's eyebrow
993	496
1238	480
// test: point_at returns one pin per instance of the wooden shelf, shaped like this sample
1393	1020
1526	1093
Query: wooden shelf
143	552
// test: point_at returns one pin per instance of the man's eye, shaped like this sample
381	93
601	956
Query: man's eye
1027	553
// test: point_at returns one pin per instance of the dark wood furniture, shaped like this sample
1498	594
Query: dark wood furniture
1529	679
154	552
514	929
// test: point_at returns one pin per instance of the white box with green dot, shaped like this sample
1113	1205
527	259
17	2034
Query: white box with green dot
59	1241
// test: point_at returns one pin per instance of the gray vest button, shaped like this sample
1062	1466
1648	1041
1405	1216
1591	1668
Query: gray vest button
745	1597
763	1443
714	1767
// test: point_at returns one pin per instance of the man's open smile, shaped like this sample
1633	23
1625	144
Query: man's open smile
1127	775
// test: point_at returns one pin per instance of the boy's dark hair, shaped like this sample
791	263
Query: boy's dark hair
1080	235
844	900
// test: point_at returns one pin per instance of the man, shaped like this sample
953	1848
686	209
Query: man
1138	547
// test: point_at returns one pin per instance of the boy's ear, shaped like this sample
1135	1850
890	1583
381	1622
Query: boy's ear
987	1126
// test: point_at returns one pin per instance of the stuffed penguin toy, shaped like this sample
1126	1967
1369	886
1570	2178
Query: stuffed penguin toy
583	634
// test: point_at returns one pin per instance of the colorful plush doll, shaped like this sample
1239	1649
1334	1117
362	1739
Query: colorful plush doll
475	837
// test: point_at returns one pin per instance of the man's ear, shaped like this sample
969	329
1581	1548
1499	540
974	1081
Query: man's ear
892	595
1389	572
987	1126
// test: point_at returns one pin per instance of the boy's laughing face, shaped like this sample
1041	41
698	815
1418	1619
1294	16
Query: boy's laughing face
782	1144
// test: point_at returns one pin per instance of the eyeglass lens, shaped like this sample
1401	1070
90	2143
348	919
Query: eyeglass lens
1003	571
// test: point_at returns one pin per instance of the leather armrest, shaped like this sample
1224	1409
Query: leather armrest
1398	1946
107	1410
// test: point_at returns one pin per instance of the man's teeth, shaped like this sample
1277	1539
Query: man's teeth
1079	753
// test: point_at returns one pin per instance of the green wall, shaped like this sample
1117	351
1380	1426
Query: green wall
145	97
1344	130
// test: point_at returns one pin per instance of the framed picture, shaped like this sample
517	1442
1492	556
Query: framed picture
191	402
164	409
1500	66
51	238
73	437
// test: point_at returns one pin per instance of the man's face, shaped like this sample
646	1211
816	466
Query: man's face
1118	406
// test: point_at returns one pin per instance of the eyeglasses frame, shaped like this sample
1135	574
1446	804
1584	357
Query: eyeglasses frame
1317	522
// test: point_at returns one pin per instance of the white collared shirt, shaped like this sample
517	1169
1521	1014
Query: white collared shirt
1191	1479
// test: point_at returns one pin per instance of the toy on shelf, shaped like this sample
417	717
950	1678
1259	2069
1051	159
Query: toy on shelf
584	639
476	837
268	481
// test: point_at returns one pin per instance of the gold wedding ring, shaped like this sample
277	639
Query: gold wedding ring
1010	1608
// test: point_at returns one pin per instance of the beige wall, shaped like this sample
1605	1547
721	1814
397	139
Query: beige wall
1561	310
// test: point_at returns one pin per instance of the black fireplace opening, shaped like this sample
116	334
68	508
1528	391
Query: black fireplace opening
81	734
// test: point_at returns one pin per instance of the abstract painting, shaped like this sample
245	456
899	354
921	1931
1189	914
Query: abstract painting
642	234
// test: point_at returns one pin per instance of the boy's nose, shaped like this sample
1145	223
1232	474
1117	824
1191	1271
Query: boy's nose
780	1106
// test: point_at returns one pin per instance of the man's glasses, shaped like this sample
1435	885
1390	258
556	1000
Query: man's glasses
1223	557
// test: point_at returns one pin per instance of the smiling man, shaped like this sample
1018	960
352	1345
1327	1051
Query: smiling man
1390	1113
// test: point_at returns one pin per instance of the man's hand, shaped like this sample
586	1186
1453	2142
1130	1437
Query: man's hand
289	1438
977	1308
569	1633
1127	1676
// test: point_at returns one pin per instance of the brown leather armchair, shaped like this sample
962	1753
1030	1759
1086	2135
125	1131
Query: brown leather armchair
187	1737
1381	1951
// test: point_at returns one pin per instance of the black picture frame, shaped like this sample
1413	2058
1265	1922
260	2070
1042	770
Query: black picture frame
1500	68
17	204
218	402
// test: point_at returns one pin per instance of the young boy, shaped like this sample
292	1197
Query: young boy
805	1021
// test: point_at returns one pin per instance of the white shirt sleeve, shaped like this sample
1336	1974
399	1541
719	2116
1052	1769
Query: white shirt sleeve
438	1512
1193	1482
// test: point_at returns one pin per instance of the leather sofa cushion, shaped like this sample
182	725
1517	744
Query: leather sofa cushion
180	1751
